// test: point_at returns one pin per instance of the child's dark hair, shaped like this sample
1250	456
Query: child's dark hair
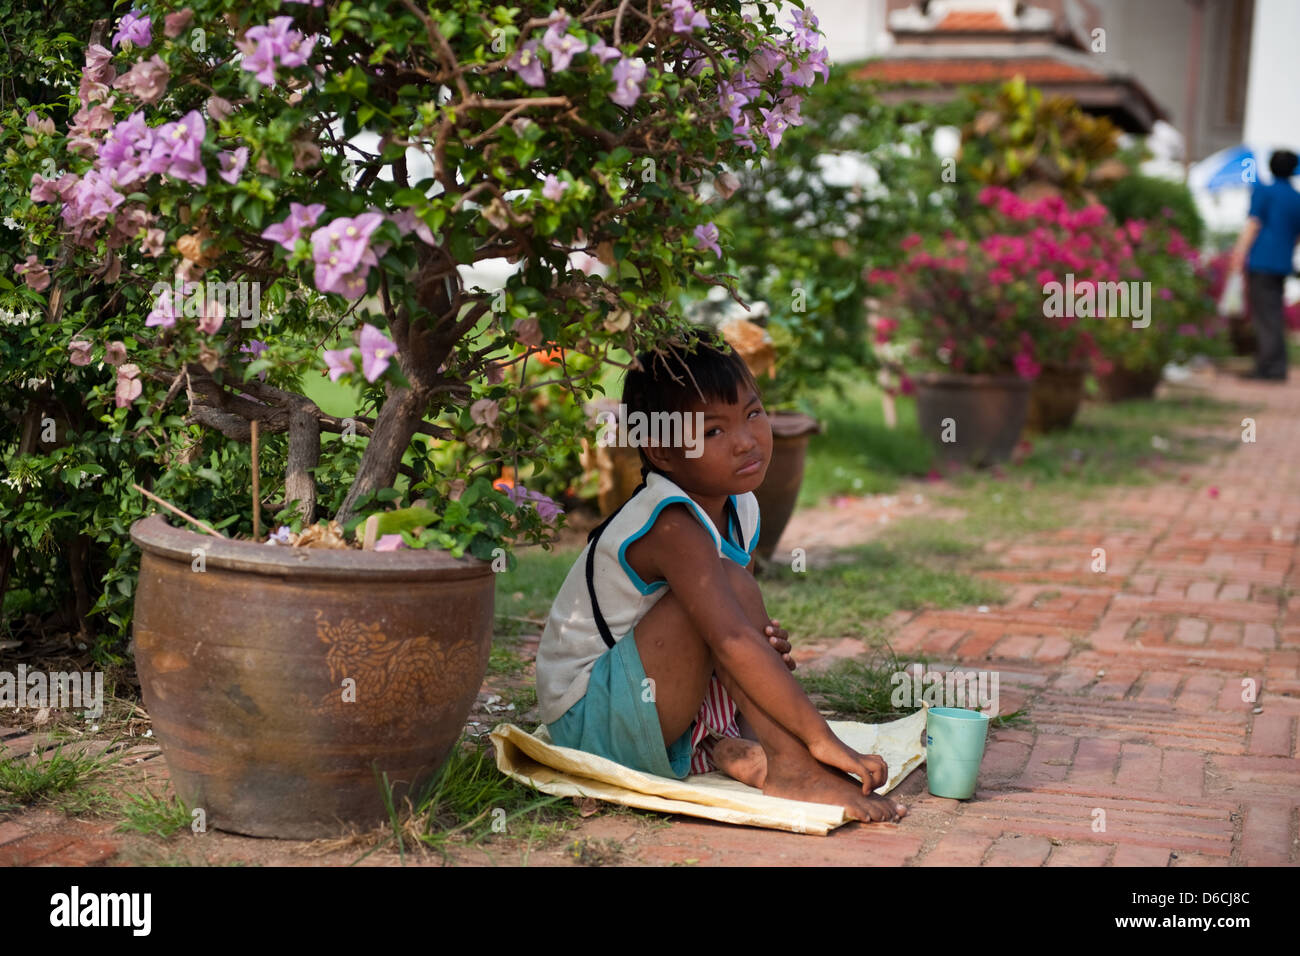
676	375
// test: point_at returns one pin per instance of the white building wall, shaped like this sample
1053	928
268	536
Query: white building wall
1273	93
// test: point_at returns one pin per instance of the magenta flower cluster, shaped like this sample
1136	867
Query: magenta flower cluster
274	45
376	352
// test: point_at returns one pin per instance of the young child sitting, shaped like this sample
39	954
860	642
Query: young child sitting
658	652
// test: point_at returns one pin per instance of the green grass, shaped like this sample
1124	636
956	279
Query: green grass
524	594
855	454
920	565
859	689
153	815
469	802
26	781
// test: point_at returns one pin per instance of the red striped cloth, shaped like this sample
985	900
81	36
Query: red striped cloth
717	718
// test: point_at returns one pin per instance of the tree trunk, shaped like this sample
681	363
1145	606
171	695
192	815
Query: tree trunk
394	428
304	454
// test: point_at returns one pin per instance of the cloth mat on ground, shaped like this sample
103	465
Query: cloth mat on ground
561	771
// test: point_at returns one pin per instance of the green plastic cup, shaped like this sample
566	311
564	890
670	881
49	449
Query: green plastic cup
954	748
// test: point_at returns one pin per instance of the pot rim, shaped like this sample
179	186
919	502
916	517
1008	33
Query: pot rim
155	536
787	424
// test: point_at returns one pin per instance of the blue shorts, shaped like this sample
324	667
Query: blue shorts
618	719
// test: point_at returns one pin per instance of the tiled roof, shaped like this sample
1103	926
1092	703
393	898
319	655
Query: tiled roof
957	70
972	20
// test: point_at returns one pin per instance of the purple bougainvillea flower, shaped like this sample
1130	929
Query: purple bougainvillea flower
301	218
255	348
376	350
547	509
125	154
406	220
342	253
604	52
339	362
805	72
685	17
528	65
707	235
390	542
213	315
732	98
232	164
135	28
774	125
561	45
176	146
281	535
554	188
628	73
276	44
163	312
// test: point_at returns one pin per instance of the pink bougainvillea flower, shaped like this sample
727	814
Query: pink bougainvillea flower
390	542
376	350
219	108
115	353
134	27
562	46
213	315
277	44
1214	491
339	362
79	352
554	188
232	164
154	243
146	81
628	74
34	274
301	218
406	220
547	509
528	65
126	154
1026	367
685	17
129	386
164	311
707	236
174	24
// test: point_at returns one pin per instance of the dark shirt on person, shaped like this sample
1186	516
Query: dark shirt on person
1277	207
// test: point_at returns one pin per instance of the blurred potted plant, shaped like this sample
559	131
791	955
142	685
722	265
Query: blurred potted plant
1183	319
191	173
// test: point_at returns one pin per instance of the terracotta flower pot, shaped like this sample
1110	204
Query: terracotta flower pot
780	488
1054	398
281	681
972	419
1121	384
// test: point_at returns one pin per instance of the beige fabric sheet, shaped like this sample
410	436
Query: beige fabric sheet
533	759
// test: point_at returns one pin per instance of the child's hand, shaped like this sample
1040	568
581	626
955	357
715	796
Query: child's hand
871	768
780	641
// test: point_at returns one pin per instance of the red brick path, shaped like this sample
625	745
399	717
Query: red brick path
1133	681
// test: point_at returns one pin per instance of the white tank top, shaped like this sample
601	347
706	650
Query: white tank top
571	641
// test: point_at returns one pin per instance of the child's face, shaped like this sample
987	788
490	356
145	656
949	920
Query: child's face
735	449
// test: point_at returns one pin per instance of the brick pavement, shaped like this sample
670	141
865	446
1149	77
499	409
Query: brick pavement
1142	748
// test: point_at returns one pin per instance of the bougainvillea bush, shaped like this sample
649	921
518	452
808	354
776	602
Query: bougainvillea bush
254	193
1028	292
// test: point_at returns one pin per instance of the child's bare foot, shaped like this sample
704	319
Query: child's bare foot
807	779
741	760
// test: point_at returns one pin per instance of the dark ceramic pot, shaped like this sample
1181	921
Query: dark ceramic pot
283	682
972	419
1054	398
780	488
1122	385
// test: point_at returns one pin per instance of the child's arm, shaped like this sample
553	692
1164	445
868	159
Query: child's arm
679	550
